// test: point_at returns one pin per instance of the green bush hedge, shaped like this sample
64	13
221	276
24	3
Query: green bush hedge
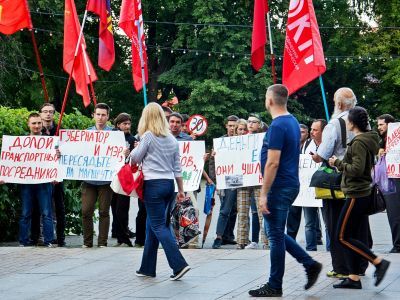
14	122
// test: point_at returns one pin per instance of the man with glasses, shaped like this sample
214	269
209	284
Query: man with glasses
248	197
49	128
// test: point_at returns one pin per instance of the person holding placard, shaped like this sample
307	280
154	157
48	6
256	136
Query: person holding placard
47	112
228	197
249	197
158	152
392	199
97	190
280	156
41	192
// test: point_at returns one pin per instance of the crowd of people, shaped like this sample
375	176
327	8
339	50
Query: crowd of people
346	143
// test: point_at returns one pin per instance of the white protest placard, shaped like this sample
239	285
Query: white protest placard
29	159
91	155
192	161
307	168
237	160
393	150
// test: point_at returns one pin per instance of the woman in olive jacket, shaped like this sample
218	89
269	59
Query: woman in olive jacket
356	185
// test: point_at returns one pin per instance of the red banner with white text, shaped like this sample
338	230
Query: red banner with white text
303	58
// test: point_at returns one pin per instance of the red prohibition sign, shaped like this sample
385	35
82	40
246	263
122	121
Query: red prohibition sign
197	124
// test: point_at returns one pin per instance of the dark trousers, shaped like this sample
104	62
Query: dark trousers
120	209
90	194
393	213
312	225
227	215
229	234
141	224
59	208
39	194
350	231
331	212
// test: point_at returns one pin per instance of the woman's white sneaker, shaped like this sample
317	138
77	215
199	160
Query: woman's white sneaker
252	245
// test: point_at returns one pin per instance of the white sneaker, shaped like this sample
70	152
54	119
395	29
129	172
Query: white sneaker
252	245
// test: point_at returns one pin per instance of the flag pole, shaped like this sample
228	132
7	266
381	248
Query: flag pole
72	71
142	62
39	63
271	49
321	83
88	72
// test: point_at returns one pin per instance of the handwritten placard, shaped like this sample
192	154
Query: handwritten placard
192	161
237	160
91	155
307	168
29	159
393	150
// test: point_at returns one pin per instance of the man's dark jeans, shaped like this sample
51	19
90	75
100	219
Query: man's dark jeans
59	205
228	204
311	224
30	193
279	201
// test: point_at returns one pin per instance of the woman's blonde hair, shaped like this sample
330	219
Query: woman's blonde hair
153	119
240	122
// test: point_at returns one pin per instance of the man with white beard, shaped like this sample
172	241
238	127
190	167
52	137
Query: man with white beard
333	144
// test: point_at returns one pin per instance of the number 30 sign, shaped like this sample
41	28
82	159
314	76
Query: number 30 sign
197	124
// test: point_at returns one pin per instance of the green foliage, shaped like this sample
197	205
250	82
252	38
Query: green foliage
14	122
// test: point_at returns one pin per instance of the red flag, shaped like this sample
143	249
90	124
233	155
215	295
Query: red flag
102	8
131	15
71	36
14	15
259	34
303	59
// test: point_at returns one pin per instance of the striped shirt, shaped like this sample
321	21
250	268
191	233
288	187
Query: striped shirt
159	156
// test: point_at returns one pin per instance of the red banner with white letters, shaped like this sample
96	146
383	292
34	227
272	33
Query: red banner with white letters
303	59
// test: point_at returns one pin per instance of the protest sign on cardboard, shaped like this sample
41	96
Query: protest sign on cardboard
91	155
192	161
307	168
393	150
29	159
237	160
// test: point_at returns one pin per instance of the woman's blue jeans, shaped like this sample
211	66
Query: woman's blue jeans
158	198
279	202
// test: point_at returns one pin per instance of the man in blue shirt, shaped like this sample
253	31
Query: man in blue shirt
175	121
280	165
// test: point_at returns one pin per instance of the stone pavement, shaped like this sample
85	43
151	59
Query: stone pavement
109	273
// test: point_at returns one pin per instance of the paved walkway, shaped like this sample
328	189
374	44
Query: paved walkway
109	273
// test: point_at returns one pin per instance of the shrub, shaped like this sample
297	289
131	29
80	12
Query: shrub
14	122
